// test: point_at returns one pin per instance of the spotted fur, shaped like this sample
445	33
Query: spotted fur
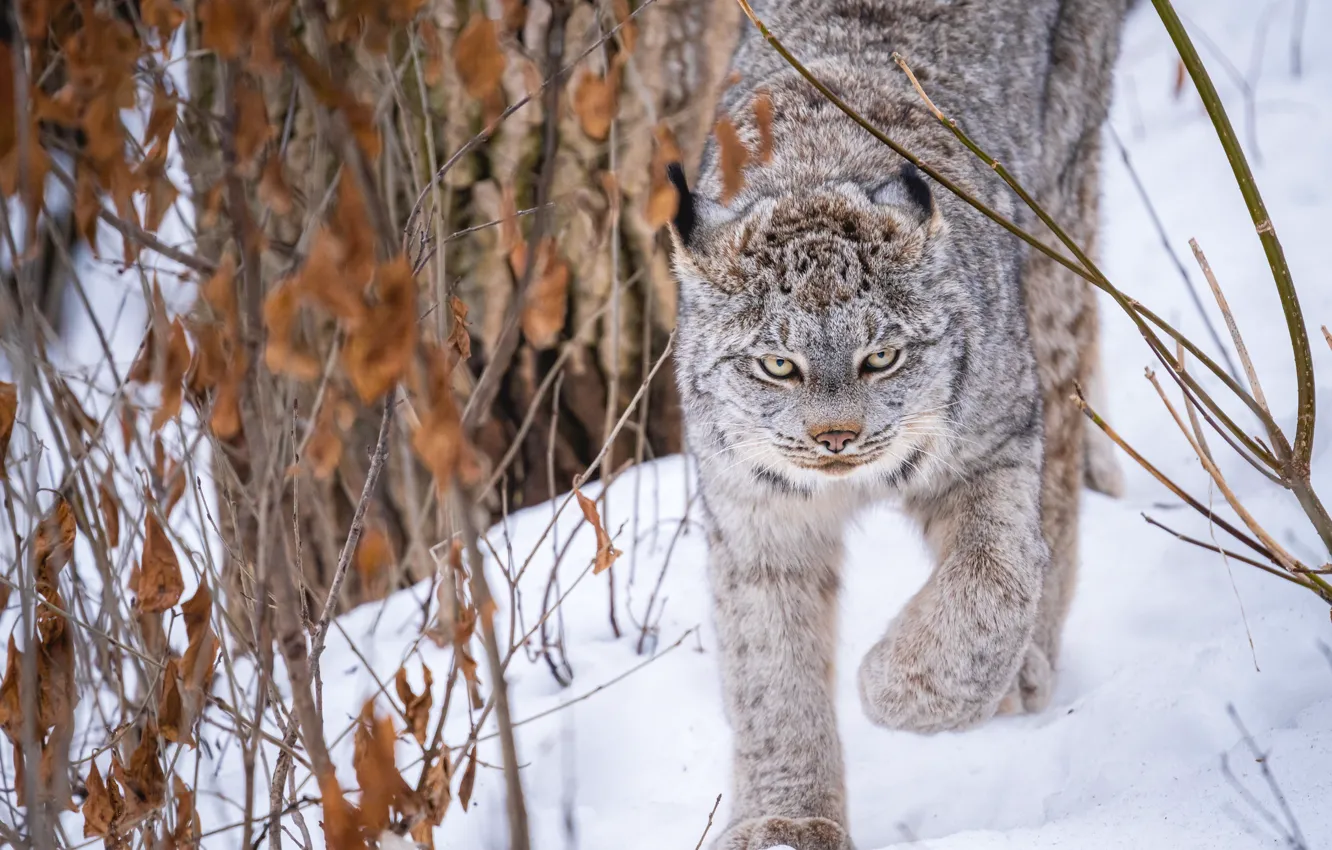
834	250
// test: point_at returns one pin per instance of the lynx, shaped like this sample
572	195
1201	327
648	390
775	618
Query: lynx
850	332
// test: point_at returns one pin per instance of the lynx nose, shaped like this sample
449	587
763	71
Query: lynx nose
835	441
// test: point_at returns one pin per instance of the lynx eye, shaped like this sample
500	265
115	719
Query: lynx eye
882	361
777	367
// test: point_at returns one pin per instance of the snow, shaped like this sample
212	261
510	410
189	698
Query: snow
1162	637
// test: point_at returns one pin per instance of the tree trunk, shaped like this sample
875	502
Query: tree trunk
588	319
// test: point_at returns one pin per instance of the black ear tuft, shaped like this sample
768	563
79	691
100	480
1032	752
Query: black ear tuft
917	189
684	209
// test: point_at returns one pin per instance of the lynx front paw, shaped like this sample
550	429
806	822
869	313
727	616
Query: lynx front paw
924	677
798	833
1032	687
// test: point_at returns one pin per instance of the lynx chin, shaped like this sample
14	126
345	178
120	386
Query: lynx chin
850	332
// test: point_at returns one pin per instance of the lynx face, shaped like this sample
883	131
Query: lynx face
817	329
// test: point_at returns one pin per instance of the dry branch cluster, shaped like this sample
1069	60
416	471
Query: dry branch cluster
403	267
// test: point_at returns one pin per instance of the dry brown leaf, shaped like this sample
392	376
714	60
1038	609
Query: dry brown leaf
734	157
173	366
188	825
335	280
160	582
144	781
54	545
606	552
433	67
478	57
163	16
468	780
378	352
435	788
161	120
382	786
438	439
280	354
1181	77
170	710
324	450
663	200
196	666
763	118
513	15
341	820
252	128
459	339
8	413
55	669
374	562
416	707
228	26
547	299
87	207
11	706
594	101
103	808
628	33
274	192
109	505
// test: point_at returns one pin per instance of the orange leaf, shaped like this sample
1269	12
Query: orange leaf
433	71
439	439
468	780
274	192
103	807
8	412
144	780
435	788
382	786
170	710
547	297
227	26
280	354
187	819
763	117
478	57
378	352
606	553
160	583
662	197
374	561
196	667
252	128
54	544
11	706
163	16
594	101
341	830
458	336
734	157
109	504
324	451
162	119
416	707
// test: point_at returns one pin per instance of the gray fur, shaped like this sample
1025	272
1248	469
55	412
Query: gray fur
828	255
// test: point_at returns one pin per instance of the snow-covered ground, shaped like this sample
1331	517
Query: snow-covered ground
1162	636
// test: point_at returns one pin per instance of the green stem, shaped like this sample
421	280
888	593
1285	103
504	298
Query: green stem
1276	259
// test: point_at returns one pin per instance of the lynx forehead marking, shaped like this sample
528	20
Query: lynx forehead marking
819	250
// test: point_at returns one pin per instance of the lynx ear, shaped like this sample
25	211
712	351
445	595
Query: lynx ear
907	191
685	216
